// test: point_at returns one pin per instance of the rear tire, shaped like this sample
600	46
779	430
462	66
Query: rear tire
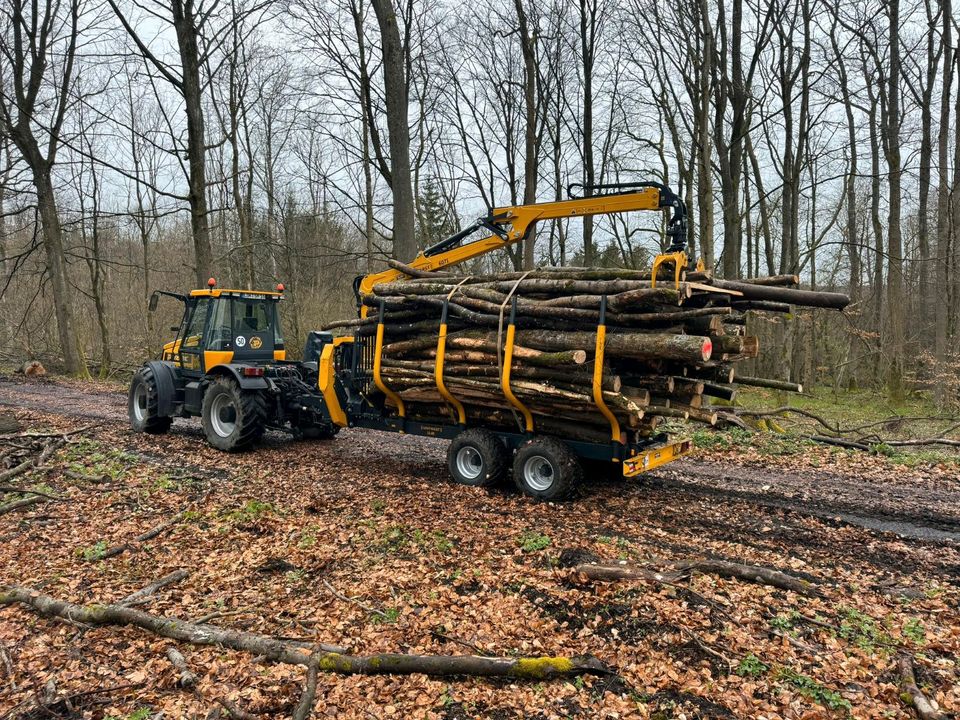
143	404
545	468
478	458
233	419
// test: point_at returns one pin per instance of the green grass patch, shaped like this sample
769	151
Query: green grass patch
751	666
249	512
812	690
533	541
387	615
94	552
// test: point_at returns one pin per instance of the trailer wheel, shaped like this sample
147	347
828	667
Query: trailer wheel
143	403
232	419
546	468
477	457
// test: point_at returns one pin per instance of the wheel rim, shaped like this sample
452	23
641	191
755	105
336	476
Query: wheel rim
469	463
223	415
538	473
140	402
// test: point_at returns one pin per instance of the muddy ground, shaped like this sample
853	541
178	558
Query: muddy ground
362	542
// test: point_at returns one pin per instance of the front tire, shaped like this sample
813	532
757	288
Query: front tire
478	458
545	468
233	419
143	404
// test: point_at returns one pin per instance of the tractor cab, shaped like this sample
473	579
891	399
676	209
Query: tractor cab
221	326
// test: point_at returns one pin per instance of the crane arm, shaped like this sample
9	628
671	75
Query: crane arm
509	225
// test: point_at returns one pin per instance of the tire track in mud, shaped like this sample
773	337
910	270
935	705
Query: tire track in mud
928	512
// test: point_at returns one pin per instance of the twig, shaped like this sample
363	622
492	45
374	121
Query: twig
706	648
458	641
187	678
142	594
305	706
26	502
355	601
142	538
910	693
27	491
235	711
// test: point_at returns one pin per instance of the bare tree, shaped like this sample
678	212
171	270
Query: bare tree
39	48
188	21
397	97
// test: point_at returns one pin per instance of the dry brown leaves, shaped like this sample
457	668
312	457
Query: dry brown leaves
457	570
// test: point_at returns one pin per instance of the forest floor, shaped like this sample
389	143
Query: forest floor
362	542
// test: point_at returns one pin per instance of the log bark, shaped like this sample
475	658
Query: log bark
683	348
187	678
536	668
143	593
768	383
911	694
791	296
747	573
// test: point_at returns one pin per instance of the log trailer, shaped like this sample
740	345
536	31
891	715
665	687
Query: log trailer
227	364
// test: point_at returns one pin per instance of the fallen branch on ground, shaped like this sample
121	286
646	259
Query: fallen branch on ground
142	538
748	573
534	668
143	593
26	502
27	491
754	574
911	694
187	678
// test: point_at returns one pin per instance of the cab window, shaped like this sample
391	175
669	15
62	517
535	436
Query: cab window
250	316
197	324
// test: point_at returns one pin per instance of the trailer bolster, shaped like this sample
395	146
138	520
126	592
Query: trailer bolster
655	457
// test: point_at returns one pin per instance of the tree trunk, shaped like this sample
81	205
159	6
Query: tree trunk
397	98
184	23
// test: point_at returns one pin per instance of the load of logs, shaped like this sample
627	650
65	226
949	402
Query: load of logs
669	347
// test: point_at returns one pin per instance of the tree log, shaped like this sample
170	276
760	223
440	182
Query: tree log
19	504
723	568
684	348
791	296
768	383
538	668
911	694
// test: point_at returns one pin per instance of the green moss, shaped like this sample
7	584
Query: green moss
541	667
334	662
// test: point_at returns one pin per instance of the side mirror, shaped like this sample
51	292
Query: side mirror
153	301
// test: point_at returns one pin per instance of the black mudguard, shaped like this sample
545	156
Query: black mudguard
166	375
246	383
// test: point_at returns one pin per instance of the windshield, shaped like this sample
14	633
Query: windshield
241	317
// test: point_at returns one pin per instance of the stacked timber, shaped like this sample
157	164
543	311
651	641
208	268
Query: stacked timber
669	348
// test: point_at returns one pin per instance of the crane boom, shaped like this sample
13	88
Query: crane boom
510	225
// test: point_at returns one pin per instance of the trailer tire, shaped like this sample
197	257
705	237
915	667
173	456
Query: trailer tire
233	419
546	468
478	458
143	403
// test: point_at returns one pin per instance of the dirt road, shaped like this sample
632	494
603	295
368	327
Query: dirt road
917	506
